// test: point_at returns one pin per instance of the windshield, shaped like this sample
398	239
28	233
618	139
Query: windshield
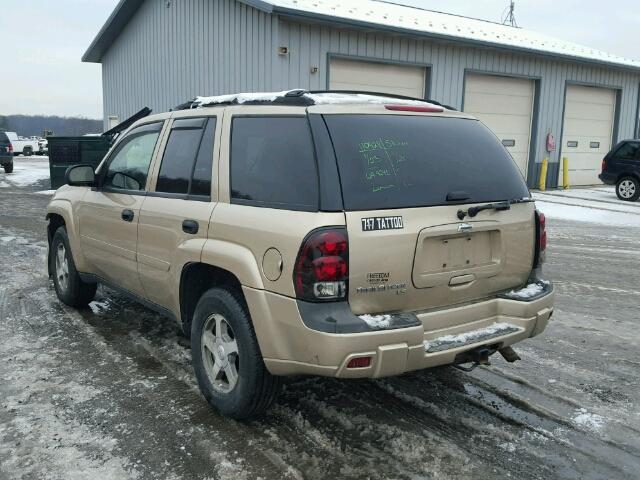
401	161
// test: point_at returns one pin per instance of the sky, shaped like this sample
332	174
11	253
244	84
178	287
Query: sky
43	41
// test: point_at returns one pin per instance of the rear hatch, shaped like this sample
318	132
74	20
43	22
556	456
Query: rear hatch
408	181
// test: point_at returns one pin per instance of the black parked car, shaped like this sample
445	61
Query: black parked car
621	167
6	153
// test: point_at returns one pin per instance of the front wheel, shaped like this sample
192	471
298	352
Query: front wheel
70	288
628	189
8	167
227	359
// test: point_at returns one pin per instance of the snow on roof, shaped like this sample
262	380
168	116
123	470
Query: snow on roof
447	25
381	15
329	98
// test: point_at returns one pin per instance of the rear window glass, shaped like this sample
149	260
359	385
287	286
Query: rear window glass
273	163
395	161
629	150
4	138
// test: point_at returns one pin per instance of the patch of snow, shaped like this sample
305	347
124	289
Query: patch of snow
589	420
239	97
318	99
46	192
508	447
377	321
98	307
447	342
529	291
588	214
26	172
358	98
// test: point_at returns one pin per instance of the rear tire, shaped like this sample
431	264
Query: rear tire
70	288
226	356
8	167
628	189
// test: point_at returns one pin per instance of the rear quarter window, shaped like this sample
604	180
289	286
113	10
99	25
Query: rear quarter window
273	163
402	161
629	151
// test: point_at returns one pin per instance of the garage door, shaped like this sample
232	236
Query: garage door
505	105
587	132
377	77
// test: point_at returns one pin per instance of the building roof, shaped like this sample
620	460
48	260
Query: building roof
386	16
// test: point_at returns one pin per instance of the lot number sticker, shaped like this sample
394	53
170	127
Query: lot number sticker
371	224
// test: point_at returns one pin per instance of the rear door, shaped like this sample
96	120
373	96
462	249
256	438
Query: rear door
404	180
174	218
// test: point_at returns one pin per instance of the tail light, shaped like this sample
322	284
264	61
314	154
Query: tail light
10	148
322	267
541	238
604	164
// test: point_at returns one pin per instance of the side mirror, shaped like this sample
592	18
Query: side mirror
80	176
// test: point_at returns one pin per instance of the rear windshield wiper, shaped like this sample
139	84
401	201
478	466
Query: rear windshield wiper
499	206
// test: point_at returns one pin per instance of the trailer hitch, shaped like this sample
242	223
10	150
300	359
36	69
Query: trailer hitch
478	356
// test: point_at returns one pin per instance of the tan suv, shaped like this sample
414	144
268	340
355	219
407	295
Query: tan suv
334	234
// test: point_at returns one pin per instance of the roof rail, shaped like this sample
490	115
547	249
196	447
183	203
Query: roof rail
298	98
383	94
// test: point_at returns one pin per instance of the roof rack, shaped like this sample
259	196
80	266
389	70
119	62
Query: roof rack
300	98
383	94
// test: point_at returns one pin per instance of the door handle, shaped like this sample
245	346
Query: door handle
190	226
127	215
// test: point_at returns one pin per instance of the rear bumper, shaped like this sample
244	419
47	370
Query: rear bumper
608	178
291	347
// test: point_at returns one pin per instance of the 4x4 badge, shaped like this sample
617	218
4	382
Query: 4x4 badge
465	227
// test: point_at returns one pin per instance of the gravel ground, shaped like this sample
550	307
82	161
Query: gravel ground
108	393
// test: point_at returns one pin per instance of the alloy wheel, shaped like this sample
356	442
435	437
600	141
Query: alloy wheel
62	267
220	353
627	189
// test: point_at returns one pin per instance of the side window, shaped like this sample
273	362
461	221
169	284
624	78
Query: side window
129	166
273	163
188	157
629	151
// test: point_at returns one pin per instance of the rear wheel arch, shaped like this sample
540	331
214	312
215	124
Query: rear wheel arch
197	278
628	174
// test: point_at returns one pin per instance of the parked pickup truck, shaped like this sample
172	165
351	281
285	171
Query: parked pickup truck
21	145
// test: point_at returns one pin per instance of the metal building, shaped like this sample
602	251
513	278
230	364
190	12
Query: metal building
525	86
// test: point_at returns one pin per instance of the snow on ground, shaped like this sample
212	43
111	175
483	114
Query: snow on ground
588	420
26	171
596	205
